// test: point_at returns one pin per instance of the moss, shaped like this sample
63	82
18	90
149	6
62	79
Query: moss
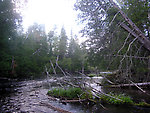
70	93
87	95
116	99
92	75
142	104
110	98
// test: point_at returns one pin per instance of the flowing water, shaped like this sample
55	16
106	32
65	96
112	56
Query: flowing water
27	96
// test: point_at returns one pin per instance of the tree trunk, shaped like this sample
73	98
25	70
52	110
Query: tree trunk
141	37
131	85
82	68
149	66
145	42
54	108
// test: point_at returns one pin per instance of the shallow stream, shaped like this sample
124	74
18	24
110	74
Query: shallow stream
27	96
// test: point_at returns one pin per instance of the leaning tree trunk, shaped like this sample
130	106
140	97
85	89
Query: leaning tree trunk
138	33
149	65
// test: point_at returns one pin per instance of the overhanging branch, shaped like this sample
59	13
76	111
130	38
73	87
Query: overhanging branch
138	33
145	41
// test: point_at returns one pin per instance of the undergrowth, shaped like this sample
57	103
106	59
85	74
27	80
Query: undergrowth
142	104
110	98
70	93
117	99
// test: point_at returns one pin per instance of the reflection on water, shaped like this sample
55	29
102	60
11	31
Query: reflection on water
27	95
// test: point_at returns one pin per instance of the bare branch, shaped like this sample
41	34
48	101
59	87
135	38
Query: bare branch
60	67
138	86
38	50
114	18
131	44
124	43
53	68
136	57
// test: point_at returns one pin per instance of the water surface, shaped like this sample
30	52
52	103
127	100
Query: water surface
26	97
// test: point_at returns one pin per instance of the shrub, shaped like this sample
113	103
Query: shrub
70	93
117	99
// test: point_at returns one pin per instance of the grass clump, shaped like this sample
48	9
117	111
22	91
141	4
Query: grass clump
116	99
142	104
70	93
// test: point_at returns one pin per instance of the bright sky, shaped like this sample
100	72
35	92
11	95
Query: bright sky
50	13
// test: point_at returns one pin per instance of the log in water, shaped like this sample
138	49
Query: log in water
131	85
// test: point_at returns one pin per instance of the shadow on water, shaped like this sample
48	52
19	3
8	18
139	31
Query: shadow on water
26	96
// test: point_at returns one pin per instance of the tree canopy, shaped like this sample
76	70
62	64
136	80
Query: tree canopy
115	41
118	39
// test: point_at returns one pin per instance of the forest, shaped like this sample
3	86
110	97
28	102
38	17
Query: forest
25	55
117	43
112	44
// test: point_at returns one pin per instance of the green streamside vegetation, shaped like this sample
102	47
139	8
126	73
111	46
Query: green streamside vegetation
121	99
142	104
110	98
70	93
116	99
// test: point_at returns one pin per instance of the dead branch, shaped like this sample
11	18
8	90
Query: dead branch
149	64
124	43
38	50
129	85
101	93
73	101
142	38
95	90
144	42
136	57
60	67
47	73
127	51
52	98
54	108
114	18
53	68
67	82
107	80
138	86
68	73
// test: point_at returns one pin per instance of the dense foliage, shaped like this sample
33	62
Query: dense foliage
9	21
110	47
25	55
117	99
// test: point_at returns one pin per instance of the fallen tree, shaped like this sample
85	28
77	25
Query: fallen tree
138	33
130	85
54	108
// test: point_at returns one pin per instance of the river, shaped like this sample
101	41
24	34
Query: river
27	96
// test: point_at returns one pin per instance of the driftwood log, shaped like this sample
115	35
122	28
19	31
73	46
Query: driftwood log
130	85
54	108
73	101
